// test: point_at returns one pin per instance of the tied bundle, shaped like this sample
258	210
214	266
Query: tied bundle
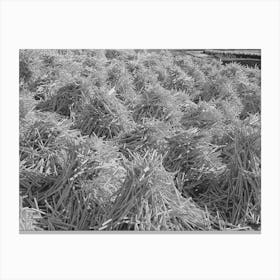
157	103
195	161
66	99
149	136
103	115
148	200
238	191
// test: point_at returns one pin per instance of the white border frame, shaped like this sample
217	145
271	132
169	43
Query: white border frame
146	24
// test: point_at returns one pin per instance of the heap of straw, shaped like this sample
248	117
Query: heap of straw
148	200
43	137
26	104
237	194
61	103
77	196
149	136
201	115
104	116
28	218
121	81
156	103
178	80
194	159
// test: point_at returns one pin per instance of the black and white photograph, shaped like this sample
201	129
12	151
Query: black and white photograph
140	139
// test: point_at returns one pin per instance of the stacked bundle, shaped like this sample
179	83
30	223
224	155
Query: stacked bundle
38	149
28	218
103	115
149	136
157	103
66	97
121	81
195	160
237	195
26	104
178	80
77	196
25	71
142	77
43	140
201	115
148	200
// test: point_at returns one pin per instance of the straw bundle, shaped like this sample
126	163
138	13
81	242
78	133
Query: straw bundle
28	218
63	100
121	81
201	115
237	195
104	115
149	136
178	80
76	197
149	201
194	159
142	77
26	104
156	103
44	137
